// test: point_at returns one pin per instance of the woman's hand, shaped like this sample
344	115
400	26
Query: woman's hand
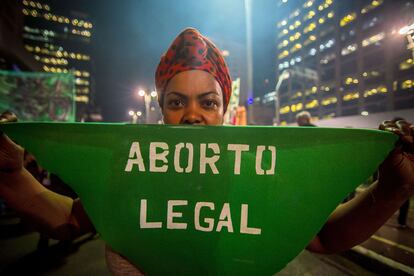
11	154
398	168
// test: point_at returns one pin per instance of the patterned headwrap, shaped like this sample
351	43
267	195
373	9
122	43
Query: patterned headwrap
192	51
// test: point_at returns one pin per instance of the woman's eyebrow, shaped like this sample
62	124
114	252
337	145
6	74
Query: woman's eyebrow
174	93
202	95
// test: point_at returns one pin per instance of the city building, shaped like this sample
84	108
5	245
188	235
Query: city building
342	58
13	55
59	38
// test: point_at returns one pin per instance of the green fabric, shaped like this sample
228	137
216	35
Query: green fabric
35	96
315	169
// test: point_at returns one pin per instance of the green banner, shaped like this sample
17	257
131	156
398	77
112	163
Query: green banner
42	97
190	200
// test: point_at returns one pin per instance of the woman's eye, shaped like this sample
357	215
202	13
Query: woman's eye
210	103
175	103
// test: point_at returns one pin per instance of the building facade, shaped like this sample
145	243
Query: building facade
342	58
60	40
13	55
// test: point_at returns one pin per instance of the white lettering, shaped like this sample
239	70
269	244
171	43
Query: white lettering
225	219
143	217
237	148
208	221
177	152
244	229
171	214
135	158
154	156
259	157
211	161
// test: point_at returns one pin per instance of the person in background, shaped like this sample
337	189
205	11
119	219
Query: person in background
304	119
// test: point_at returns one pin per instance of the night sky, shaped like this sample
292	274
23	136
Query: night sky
130	36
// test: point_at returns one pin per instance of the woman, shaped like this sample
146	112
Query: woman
194	87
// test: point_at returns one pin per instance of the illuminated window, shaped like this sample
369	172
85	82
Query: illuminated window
371	6
349	49
294	14
82	99
347	19
370	74
350	81
351	96
296	107
312	104
82	90
312	52
80	81
296	47
373	39
406	64
376	90
284	32
329	101
285	109
309	15
325	88
328	58
407	84
284	54
282	44
309	28
308	4
279	25
321	20
328	44
297	94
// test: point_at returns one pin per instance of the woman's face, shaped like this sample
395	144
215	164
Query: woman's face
193	97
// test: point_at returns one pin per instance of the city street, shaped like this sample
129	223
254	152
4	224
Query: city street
389	251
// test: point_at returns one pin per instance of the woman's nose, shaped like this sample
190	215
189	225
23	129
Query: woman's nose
192	114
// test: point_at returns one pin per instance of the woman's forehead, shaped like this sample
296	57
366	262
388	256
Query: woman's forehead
193	82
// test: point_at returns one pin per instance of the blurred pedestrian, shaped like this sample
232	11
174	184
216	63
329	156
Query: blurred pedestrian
304	119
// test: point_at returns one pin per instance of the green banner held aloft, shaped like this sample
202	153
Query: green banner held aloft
206	200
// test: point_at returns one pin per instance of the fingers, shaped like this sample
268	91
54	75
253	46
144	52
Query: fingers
8	116
404	130
391	127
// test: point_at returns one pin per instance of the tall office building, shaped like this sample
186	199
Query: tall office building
59	38
342	58
13	56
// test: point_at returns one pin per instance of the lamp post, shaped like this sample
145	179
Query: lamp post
135	115
148	97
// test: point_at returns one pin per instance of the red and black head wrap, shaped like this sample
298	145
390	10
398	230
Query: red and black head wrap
192	51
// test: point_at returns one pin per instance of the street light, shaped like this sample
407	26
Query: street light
141	92
153	94
135	115
148	97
